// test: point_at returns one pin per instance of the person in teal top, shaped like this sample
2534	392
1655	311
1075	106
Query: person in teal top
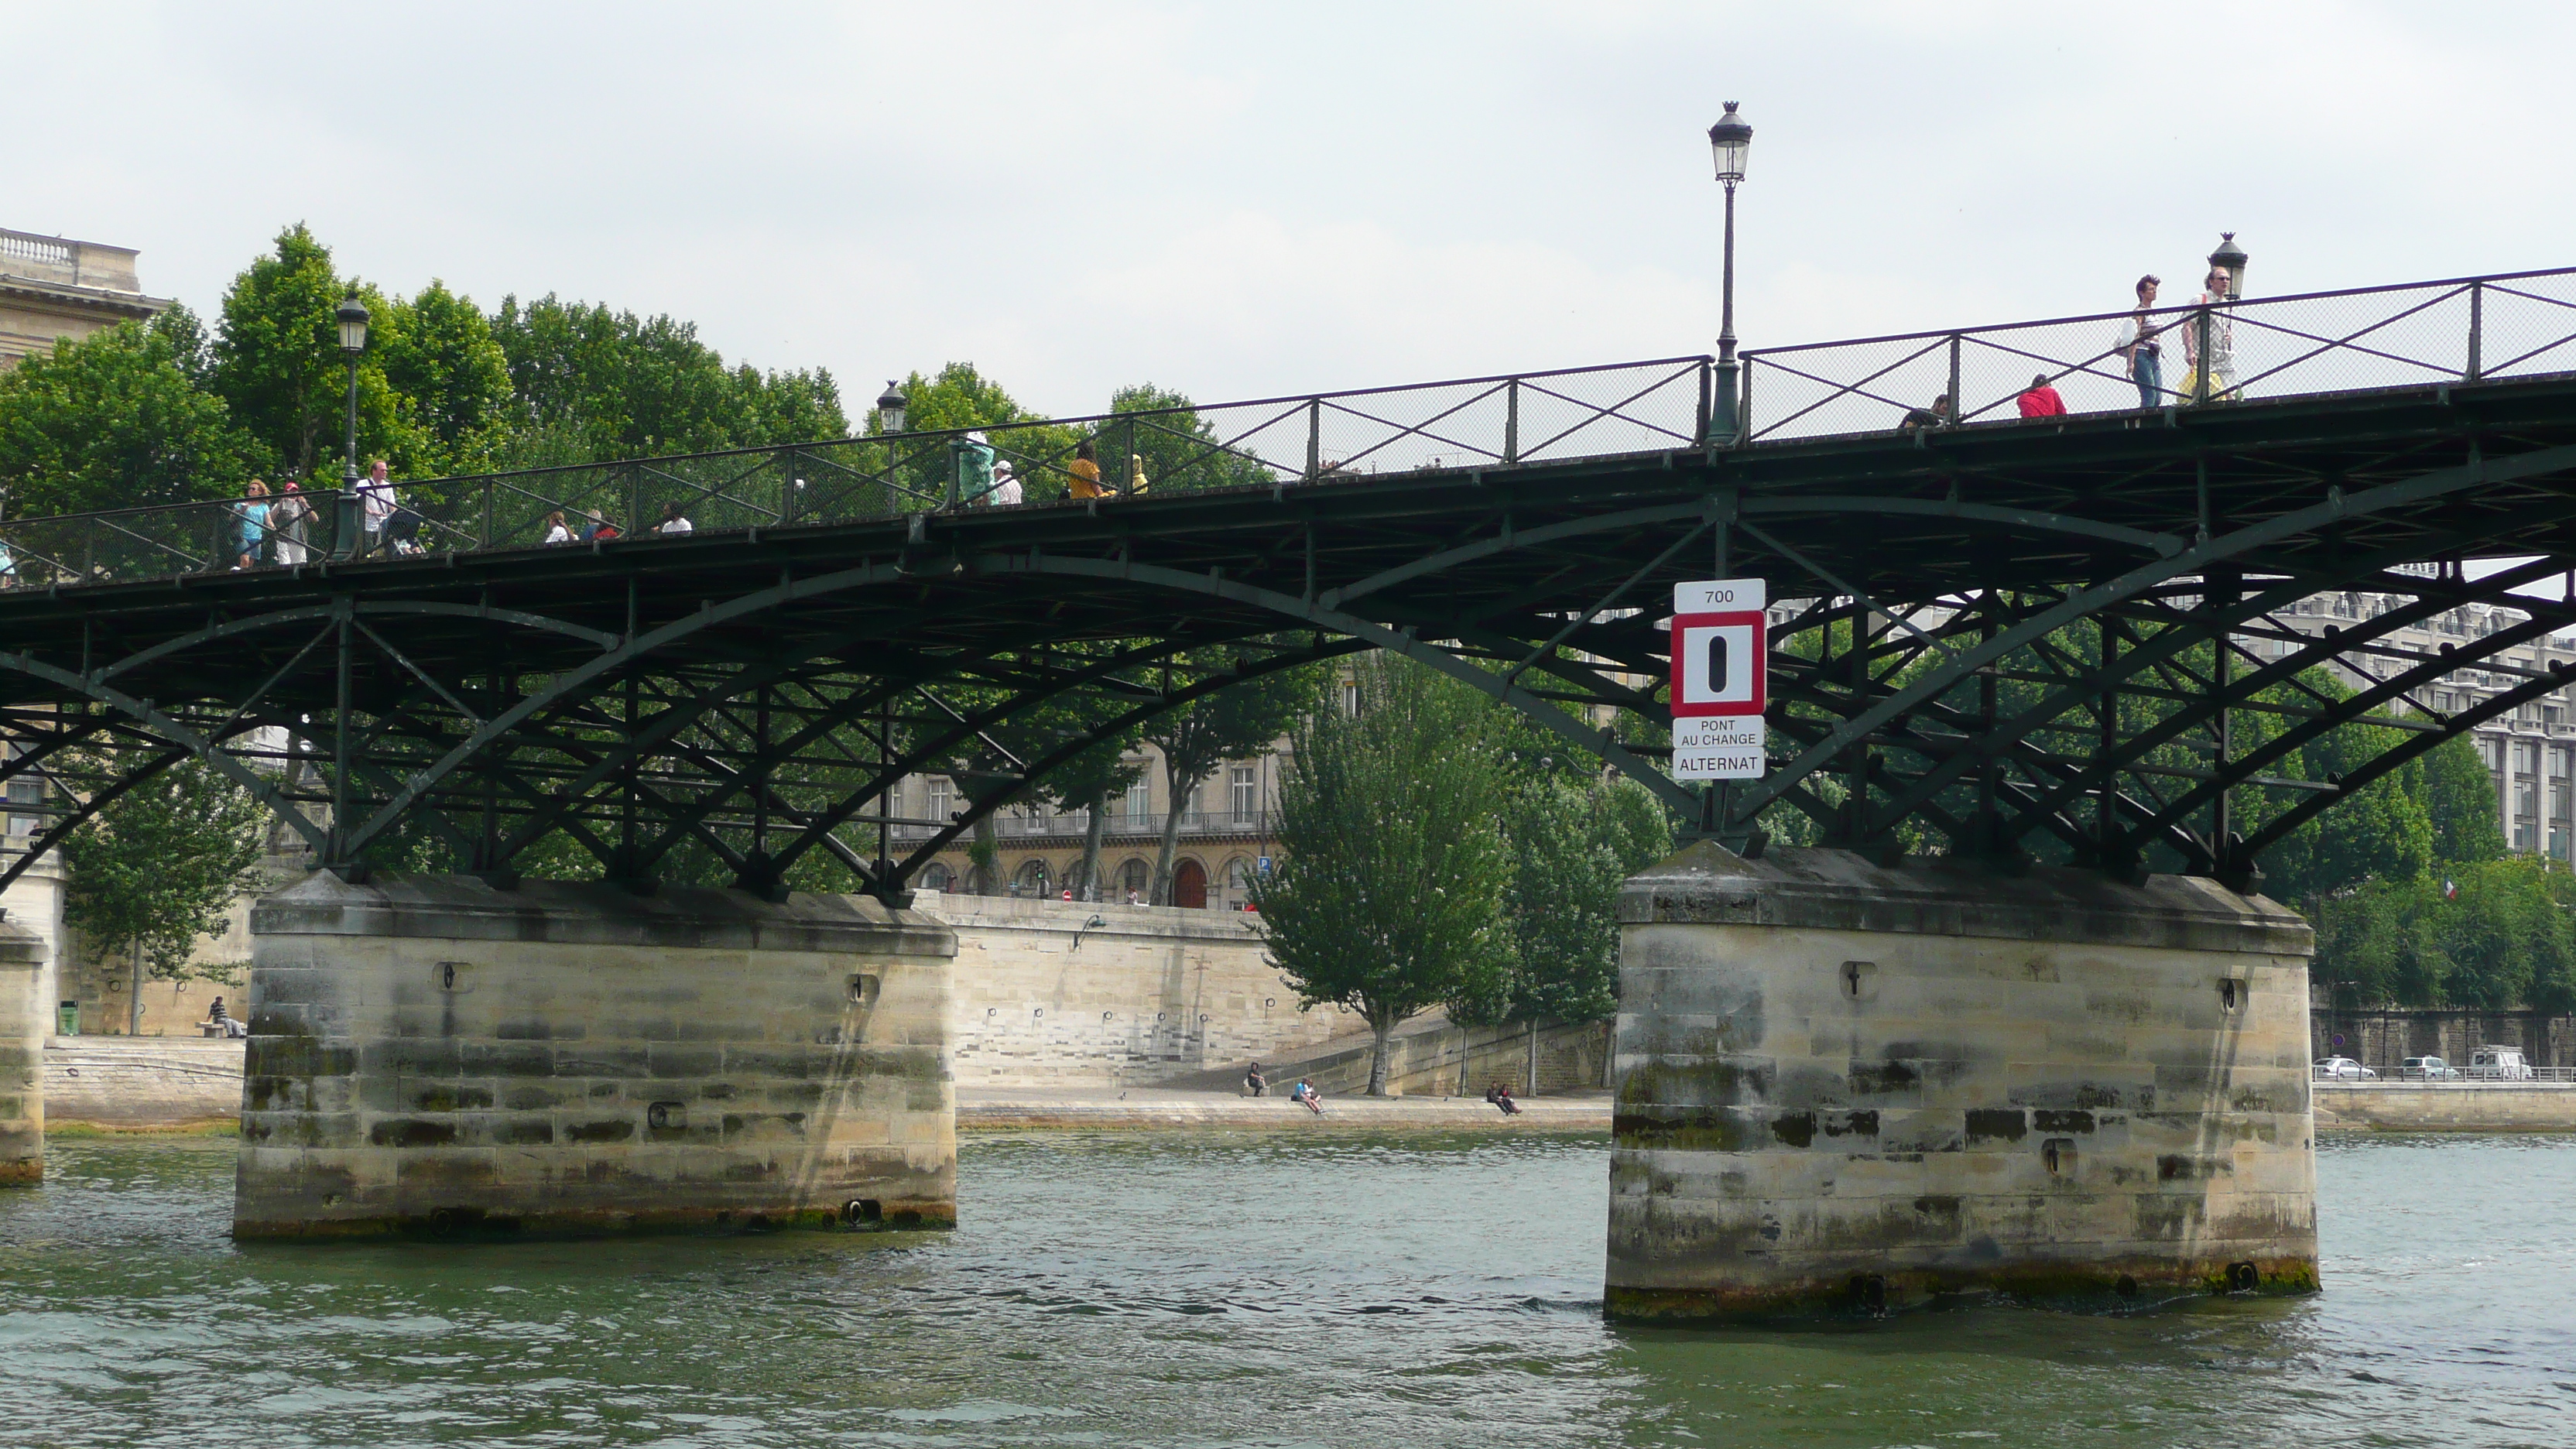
974	469
250	525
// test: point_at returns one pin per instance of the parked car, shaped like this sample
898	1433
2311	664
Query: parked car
2499	1064
2343	1069
2428	1069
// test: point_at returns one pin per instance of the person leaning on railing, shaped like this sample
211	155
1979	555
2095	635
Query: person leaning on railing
2041	400
1085	472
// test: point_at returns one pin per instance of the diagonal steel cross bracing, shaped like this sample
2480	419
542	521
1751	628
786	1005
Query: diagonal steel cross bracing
2009	639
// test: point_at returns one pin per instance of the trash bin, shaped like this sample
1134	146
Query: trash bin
67	1019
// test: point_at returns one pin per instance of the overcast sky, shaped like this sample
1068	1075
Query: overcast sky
1241	200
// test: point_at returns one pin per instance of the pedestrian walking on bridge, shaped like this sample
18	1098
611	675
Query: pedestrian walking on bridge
2140	343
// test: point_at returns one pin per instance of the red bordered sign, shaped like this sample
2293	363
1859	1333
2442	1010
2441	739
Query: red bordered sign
1721	649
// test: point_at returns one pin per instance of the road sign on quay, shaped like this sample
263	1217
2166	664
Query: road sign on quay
1721	681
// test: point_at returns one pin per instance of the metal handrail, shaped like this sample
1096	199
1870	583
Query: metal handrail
1824	378
1461	422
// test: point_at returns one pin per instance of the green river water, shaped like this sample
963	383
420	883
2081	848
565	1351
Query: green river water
1218	1289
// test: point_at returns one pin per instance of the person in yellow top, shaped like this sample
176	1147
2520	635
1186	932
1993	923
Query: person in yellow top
1086	472
1135	474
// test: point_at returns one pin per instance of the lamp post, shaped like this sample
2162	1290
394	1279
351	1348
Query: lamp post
353	345
890	405
1730	139
2214	356
2229	260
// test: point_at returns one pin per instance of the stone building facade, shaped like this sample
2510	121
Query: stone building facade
51	287
2530	752
1225	833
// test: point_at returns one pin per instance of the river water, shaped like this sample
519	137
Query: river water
1218	1289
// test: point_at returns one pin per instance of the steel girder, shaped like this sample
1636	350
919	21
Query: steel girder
1995	640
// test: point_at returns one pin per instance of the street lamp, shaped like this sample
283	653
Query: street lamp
890	406
1730	139
353	345
2229	260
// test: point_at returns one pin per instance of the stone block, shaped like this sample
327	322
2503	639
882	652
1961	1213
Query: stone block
1937	1079
23	1027
566	1059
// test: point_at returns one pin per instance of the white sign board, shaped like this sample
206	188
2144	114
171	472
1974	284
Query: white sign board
1721	679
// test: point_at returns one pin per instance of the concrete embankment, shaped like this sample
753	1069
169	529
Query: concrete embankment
142	1081
2446	1106
990	1109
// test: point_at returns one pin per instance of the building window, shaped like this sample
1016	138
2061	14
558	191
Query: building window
1135	882
1032	879
1140	800
1243	784
1350	696
935	877
943	793
27	792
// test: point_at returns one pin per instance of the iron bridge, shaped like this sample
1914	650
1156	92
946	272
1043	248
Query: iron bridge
1996	636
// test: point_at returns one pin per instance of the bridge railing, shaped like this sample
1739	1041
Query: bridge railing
2509	325
1466	422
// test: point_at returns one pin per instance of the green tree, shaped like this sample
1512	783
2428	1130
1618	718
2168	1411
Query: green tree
589	383
116	420
449	377
277	363
1388	899
1574	839
2460	796
1180	450
1239	720
159	867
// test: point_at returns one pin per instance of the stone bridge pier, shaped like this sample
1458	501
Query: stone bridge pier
22	1041
431	1054
1848	1085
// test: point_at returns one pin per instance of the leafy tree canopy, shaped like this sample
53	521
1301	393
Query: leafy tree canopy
1389	897
117	420
161	865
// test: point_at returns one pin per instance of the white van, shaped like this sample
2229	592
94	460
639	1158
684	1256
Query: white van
2499	1064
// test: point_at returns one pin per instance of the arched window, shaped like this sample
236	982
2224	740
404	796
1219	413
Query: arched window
1032	879
1135	882
933	877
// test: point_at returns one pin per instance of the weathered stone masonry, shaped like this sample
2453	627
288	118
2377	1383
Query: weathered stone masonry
22	1039
428	1053
1850	1084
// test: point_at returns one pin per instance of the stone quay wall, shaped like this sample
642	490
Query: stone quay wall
2447	1106
1151	994
2383	1038
22	1038
150	1081
1846	1083
430	1054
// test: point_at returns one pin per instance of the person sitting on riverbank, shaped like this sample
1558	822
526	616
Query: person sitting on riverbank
1303	1094
1500	1095
1255	1083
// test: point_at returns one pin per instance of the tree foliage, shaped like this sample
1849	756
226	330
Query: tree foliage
1242	719
1389	897
588	382
117	420
161	865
